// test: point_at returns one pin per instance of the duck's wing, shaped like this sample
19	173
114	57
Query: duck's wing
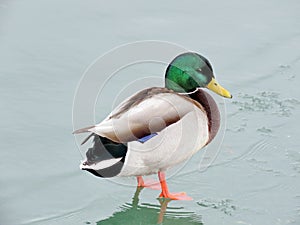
147	112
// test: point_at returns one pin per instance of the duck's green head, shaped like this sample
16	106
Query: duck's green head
190	71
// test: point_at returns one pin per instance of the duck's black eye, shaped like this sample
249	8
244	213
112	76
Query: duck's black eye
215	84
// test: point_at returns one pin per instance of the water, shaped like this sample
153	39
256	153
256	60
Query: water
46	45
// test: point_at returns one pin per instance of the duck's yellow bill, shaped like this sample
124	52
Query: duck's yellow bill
217	88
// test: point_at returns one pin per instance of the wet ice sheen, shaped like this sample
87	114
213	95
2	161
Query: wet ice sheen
254	49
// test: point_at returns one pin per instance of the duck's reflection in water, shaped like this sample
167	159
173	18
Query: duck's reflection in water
150	214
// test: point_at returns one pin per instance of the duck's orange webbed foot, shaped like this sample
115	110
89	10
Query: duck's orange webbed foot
165	192
152	184
175	196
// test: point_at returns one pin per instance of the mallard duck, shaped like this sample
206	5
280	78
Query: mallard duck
158	127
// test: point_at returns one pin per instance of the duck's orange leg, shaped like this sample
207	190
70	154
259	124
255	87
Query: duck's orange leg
147	184
140	181
165	191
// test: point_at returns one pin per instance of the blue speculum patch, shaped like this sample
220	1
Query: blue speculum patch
146	138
